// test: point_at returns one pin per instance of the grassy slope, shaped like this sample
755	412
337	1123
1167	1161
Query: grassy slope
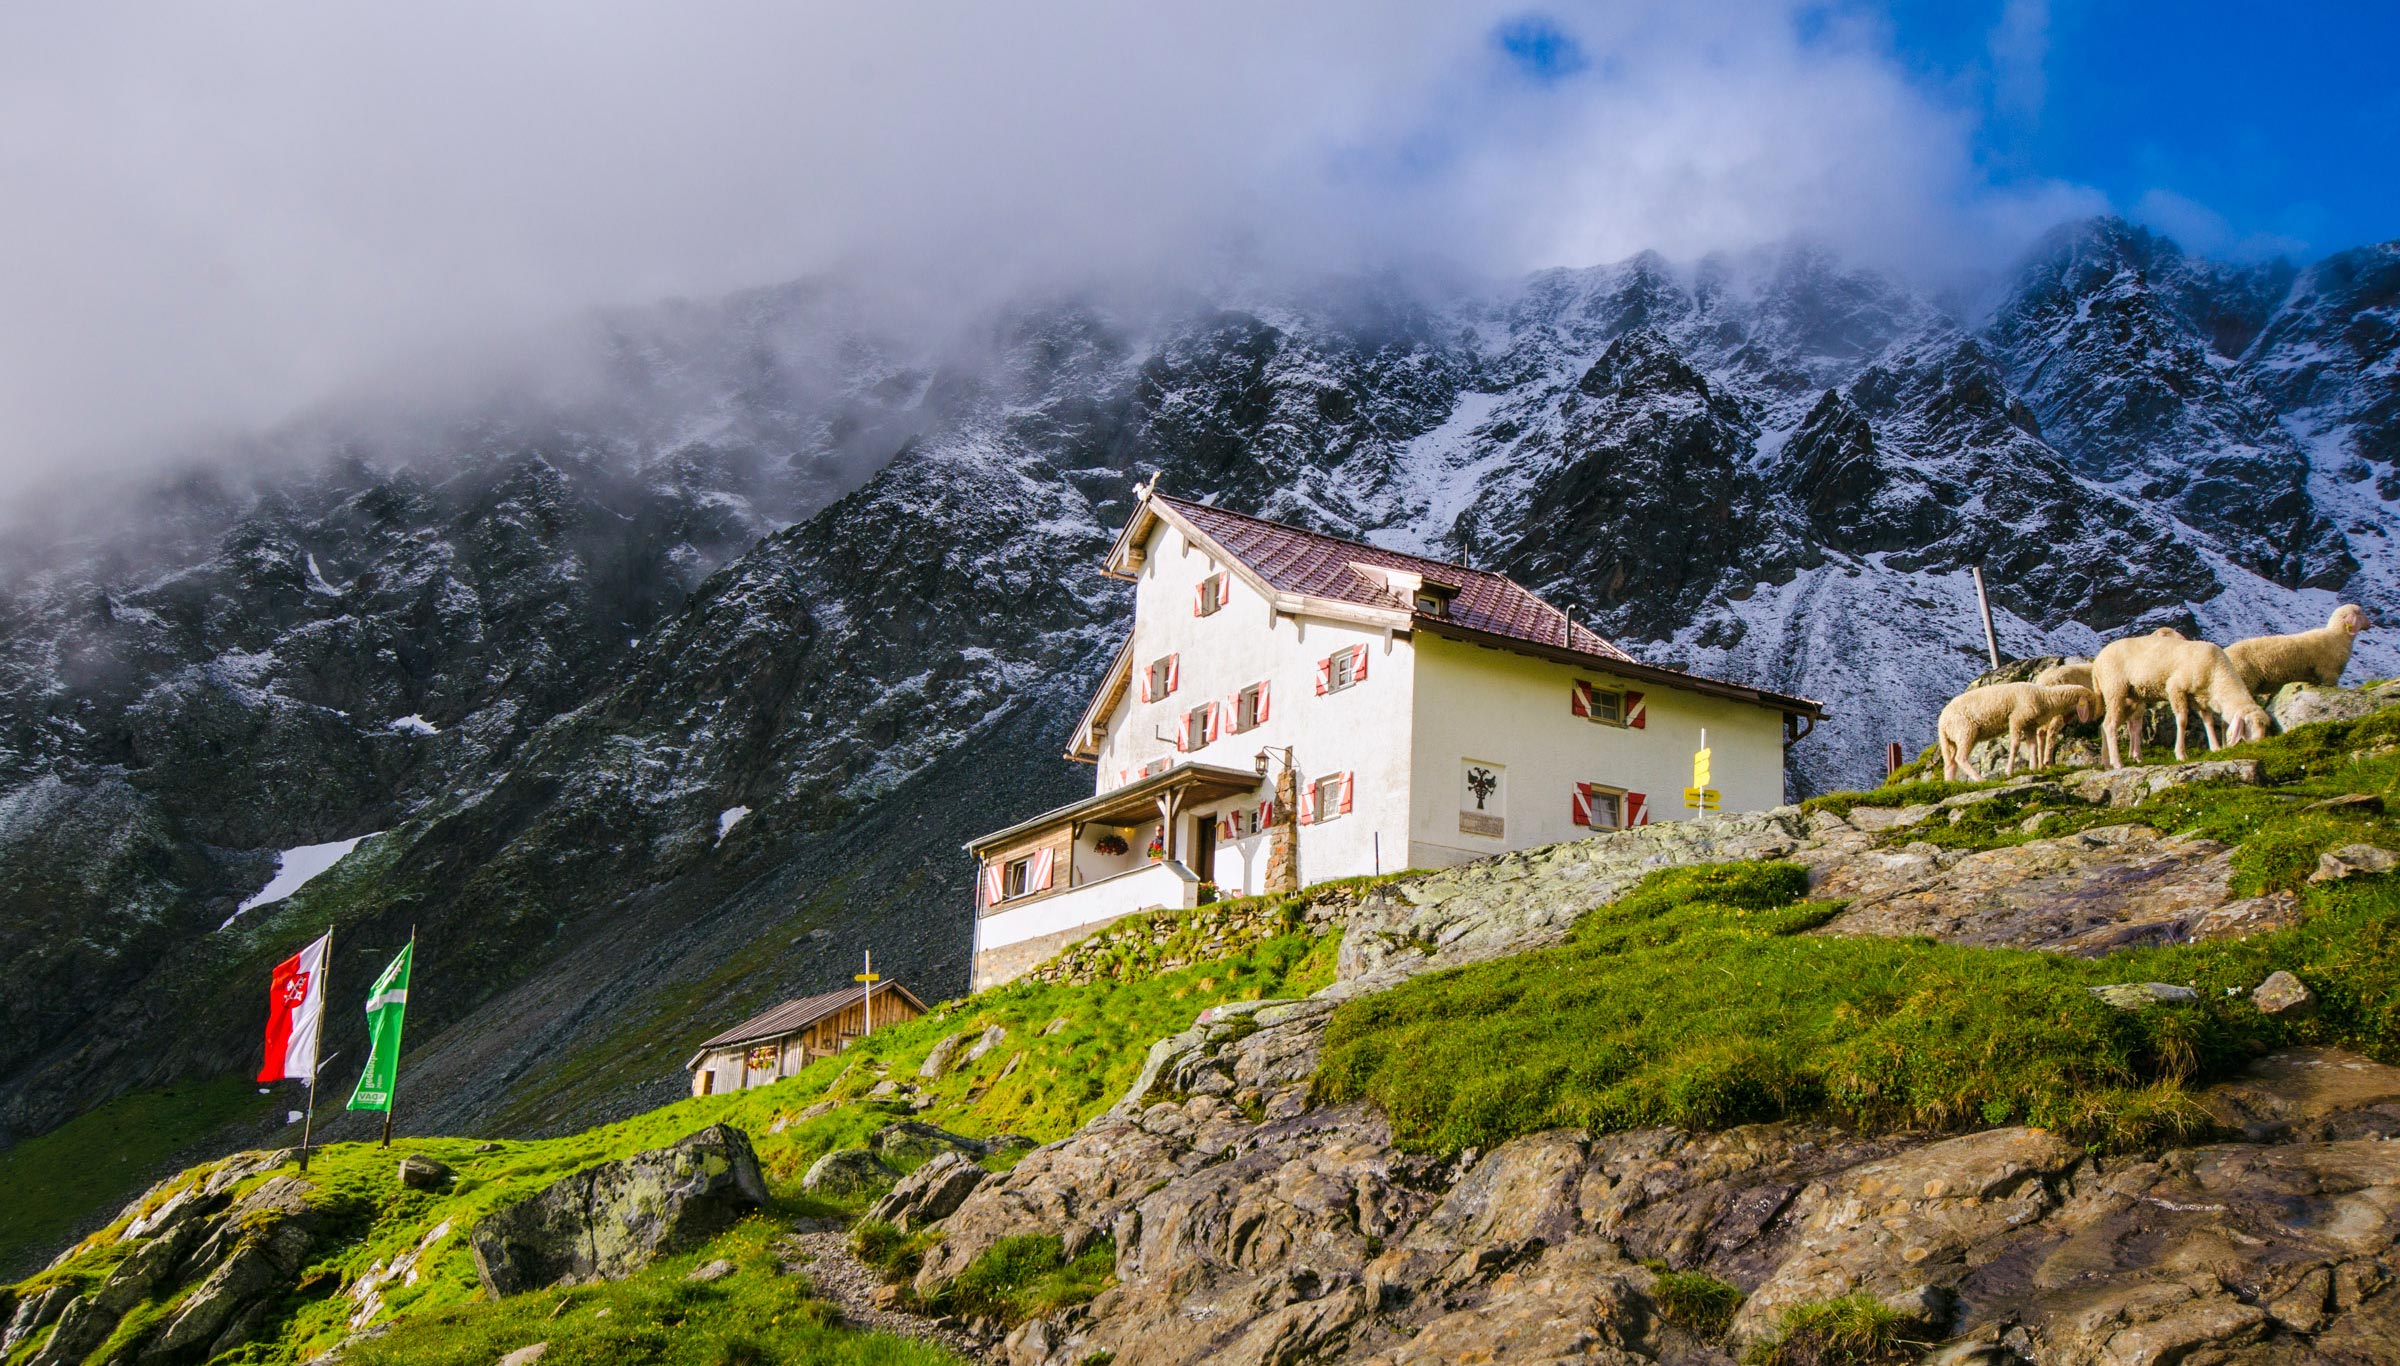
1696	1000
51	1184
1064	1078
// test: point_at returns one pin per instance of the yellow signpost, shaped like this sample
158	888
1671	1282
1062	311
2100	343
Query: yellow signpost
866	998
1700	796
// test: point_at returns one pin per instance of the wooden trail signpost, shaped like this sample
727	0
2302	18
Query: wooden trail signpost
1700	796
866	995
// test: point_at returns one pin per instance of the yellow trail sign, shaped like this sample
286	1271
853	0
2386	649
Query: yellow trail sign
866	977
1702	798
1700	767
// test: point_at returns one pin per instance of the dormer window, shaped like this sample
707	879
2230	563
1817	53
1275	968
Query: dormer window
1432	604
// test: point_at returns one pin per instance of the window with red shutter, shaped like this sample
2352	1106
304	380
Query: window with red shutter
1249	707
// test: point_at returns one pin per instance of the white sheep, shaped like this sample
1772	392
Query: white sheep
2066	673
2021	711
2178	672
2319	656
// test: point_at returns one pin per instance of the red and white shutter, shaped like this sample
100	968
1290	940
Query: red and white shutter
1308	804
1183	731
1262	701
1174	671
1219	717
1349	782
1229	826
991	884
1637	809
1037	877
1266	813
1200	598
1124	776
1579	702
1325	675
1358	663
1583	805
1636	715
1144	681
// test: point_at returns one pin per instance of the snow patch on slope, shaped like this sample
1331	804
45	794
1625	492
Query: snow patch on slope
295	869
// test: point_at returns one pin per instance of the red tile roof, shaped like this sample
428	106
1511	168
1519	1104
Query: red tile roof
1487	607
1309	562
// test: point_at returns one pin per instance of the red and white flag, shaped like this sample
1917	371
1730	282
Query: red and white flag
295	1003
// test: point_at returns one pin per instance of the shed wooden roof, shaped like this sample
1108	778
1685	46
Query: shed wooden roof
793	1016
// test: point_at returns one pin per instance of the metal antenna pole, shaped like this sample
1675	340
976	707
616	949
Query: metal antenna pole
1983	602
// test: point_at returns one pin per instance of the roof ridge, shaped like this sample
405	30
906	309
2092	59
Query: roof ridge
1329	536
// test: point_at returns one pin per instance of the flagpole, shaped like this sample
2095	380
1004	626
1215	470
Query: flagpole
316	1051
391	1100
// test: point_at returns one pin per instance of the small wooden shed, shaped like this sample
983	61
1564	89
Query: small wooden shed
777	1043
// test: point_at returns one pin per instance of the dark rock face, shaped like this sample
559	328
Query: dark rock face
609	1221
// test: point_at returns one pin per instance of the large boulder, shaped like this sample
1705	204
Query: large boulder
929	1193
914	1141
2298	704
609	1221
848	1173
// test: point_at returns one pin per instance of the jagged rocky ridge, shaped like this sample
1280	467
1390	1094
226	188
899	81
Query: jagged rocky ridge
793	564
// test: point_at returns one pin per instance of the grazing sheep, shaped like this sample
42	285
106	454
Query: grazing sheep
2319	656
2021	711
2131	674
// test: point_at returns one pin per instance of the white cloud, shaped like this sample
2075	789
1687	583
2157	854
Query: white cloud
2203	231
217	212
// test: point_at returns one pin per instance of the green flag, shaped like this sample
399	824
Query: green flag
385	1005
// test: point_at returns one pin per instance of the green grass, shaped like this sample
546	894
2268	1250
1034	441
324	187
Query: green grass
1696	1302
1856	1330
1025	1277
752	1317
1698	1000
1062	1079
103	1159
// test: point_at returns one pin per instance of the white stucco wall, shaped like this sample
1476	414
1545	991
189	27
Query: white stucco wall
1362	729
1513	710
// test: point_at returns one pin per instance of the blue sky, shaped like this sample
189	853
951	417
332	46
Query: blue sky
2260	126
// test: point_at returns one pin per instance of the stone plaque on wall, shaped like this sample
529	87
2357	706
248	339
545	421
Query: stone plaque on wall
1482	799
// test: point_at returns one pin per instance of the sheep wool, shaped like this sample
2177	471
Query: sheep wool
2067	672
2130	674
2319	656
2021	711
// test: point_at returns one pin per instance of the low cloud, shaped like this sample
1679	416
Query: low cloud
217	214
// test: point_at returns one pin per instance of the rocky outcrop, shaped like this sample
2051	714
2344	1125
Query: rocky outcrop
2093	892
1303	1234
929	1193
609	1221
236	1246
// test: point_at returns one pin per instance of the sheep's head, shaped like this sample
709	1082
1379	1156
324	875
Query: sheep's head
2169	633
2249	723
2087	707
2349	617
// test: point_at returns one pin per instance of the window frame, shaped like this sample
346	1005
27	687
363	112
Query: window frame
1593	792
1016	877
1325	797
1616	697
1344	673
1162	677
1246	707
